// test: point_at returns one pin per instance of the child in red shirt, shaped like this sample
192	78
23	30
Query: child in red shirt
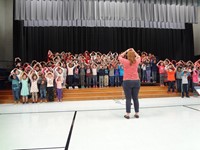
171	77
161	68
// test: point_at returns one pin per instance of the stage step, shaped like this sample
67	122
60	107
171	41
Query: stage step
99	93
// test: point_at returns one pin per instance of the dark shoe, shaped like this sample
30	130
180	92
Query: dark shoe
127	117
136	116
182	95
187	96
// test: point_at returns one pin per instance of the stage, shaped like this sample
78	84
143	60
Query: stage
112	93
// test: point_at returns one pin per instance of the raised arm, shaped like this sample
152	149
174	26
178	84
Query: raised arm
159	63
136	54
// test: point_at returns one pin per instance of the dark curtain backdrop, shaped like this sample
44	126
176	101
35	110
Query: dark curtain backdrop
34	42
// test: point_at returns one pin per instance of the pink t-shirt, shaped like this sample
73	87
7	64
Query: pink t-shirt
130	71
59	83
161	69
195	77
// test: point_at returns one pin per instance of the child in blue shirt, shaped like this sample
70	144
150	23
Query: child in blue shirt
121	74
15	86
116	76
184	76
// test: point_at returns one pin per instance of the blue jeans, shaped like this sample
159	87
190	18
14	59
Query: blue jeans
94	80
16	94
116	80
120	80
70	80
185	90
100	81
88	80
50	94
148	73
154	76
43	93
112	80
144	76
82	80
179	83
162	78
131	90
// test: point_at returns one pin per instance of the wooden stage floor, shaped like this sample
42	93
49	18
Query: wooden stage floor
105	93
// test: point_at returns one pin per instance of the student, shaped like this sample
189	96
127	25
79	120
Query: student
106	77
76	77
15	86
140	71
166	64
144	73
50	86
82	76
184	76
70	69
59	82
88	76
171	77
121	74
178	79
101	76
195	80
64	75
42	87
116	76
25	88
154	70
112	76
34	86
190	87
161	69
148	70
94	75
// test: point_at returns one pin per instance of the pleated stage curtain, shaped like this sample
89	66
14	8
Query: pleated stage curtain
34	42
107	13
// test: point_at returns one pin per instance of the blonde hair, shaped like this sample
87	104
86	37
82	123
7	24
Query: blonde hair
131	57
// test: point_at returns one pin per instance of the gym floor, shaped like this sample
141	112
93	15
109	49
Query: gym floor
164	123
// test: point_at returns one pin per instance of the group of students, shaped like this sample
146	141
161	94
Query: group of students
91	70
30	82
61	70
182	76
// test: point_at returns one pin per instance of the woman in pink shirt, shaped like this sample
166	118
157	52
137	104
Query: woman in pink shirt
131	81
